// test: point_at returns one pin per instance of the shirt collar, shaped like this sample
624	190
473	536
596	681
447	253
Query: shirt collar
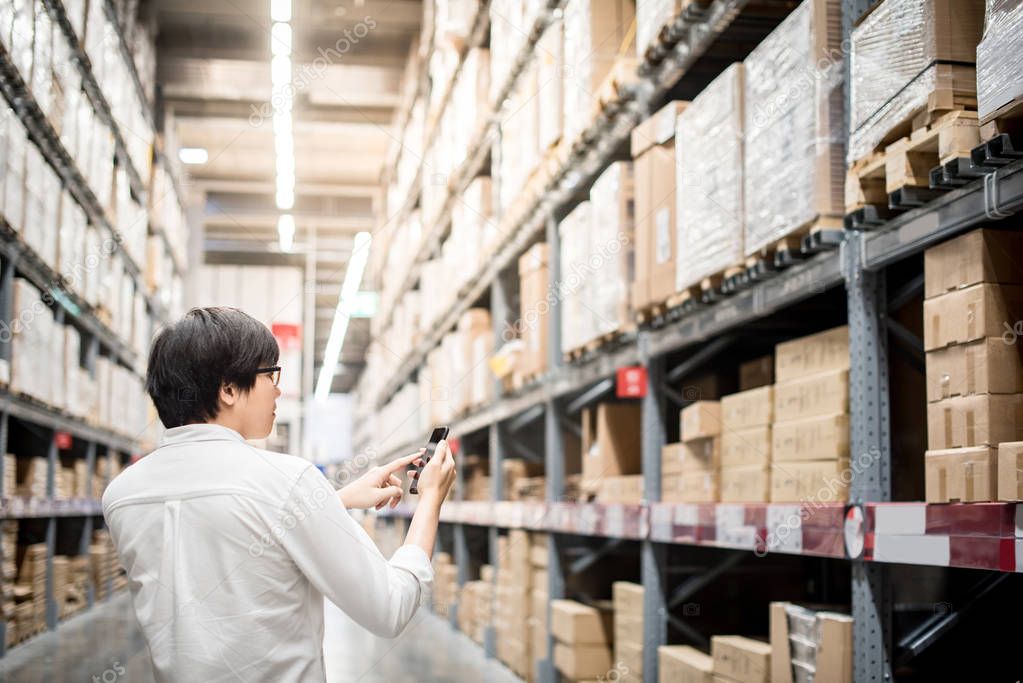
199	432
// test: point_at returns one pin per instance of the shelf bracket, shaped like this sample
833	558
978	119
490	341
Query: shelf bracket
590	396
698	359
695	584
592	557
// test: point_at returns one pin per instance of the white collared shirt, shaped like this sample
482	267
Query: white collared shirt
230	551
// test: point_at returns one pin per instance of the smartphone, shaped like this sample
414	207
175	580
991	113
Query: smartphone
439	434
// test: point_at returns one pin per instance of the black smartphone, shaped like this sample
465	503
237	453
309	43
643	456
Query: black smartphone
439	434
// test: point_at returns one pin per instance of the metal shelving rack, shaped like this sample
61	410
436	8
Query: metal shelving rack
46	421
858	265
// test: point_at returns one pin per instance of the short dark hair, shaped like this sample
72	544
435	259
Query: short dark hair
191	359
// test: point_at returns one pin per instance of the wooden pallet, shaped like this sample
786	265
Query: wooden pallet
1006	119
909	172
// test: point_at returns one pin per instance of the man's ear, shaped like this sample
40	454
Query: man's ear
229	393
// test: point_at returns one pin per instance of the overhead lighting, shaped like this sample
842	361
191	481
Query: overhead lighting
280	70
280	10
345	306
286	231
194	156
280	39
285	198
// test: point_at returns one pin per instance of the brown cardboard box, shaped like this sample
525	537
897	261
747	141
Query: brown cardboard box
653	149
693	487
824	481
538	608
985	366
822	394
833	650
961	474
1010	471
700	420
574	622
741	659
758	372
978	420
972	313
750	408
684	664
533	316
750	484
781	653
627	598
744	447
817	353
628	660
700	456
611	441
624	489
982	255
812	438
582	661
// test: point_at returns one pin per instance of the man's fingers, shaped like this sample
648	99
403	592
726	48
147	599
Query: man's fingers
394	480
405	460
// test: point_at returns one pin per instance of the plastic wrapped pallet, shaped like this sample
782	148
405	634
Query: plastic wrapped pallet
550	56
794	166
910	56
651	17
574	230
709	180
595	33
1000	59
610	256
519	136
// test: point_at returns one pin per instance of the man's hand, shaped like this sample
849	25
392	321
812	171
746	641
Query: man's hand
378	487
437	476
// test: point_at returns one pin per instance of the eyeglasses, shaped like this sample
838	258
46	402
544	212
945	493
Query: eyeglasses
274	372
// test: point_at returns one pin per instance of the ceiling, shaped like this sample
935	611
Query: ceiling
213	67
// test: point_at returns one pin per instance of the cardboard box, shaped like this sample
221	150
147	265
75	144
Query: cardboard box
700	456
961	474
611	441
744	447
979	420
582	661
758	372
628	661
534	311
693	487
576	623
751	408
972	313
624	489
832	645
653	152
741	659
627	599
750	484
825	481
812	355
1010	471
700	420
982	255
812	438
822	394
985	366
684	664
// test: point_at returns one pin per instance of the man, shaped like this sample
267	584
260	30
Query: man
229	549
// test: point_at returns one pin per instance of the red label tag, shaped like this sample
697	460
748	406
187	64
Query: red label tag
63	440
630	382
289	336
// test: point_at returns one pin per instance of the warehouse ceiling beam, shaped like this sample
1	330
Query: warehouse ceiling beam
591	396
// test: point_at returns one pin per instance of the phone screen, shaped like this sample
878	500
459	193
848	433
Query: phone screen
438	435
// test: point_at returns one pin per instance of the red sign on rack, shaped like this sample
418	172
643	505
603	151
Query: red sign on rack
63	440
630	382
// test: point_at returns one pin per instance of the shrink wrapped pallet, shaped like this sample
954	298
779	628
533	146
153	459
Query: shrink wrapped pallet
910	56
576	326
709	172
610	256
1000	59
550	56
794	167
651	16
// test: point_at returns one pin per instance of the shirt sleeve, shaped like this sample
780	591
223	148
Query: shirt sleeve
340	559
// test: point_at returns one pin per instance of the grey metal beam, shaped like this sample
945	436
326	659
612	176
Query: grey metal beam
524	419
653	556
705	354
593	556
906	293
591	395
695	584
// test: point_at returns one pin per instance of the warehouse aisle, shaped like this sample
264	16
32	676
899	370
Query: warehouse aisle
104	644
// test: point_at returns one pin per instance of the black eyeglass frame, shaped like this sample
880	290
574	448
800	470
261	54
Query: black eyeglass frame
274	371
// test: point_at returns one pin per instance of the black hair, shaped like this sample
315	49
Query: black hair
191	359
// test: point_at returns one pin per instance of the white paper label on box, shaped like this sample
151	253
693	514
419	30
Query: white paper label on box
663	235
687	515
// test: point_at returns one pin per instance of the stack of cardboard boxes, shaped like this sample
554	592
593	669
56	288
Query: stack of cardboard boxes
653	154
535	296
513	601
628	631
746	445
690	469
475	604
538	603
684	664
583	634
9	576
30	591
973	288
808	644
103	562
32	477
445	584
810	437
611	467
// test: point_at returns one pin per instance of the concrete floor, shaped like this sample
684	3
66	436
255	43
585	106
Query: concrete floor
94	645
